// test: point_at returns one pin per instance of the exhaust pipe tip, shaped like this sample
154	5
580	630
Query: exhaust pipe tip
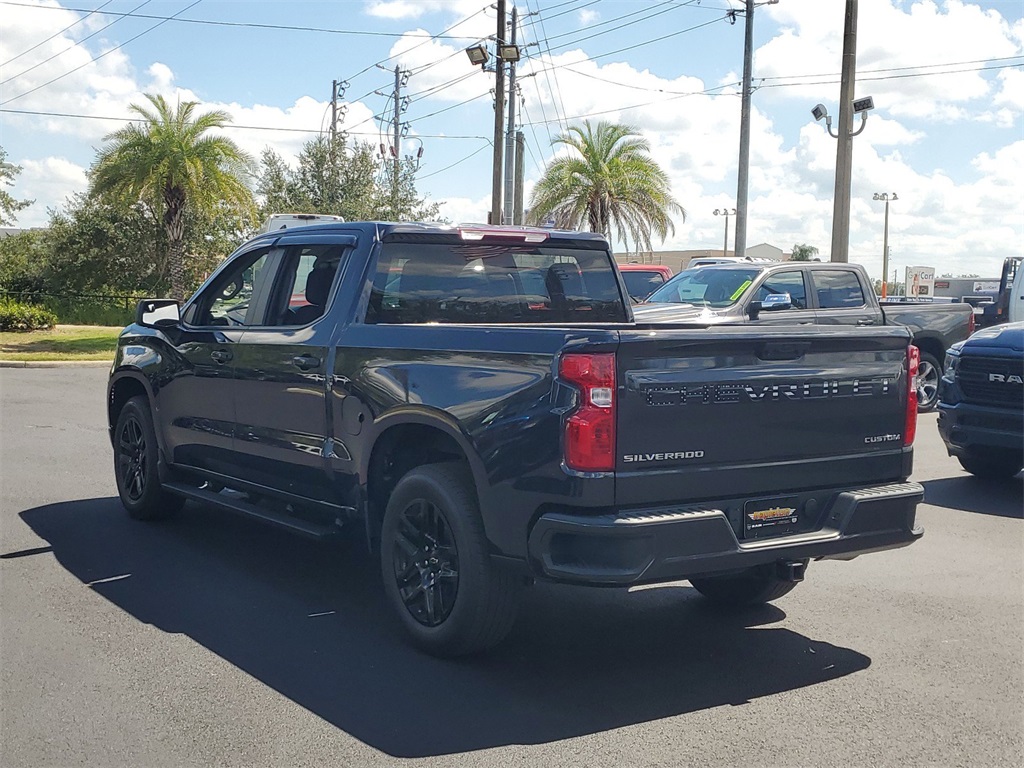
791	570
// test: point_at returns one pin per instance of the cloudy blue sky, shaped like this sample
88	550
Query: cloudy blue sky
947	133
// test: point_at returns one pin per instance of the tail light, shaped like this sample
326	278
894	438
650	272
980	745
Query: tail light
913	362
590	430
971	323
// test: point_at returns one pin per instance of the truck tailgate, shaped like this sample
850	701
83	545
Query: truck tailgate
734	411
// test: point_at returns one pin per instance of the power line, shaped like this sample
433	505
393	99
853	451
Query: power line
93	61
542	41
674	7
644	88
706	92
457	162
900	69
232	126
242	24
73	45
442	35
893	77
76	22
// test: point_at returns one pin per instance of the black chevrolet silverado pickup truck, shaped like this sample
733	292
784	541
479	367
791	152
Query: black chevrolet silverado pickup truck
804	293
981	401
479	405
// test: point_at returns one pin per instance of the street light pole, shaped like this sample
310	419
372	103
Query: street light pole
725	212
885	237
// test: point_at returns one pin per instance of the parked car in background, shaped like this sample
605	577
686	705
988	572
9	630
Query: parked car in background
703	261
981	401
278	221
644	279
809	293
1008	306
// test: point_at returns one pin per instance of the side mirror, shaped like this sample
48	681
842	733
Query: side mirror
158	313
774	301
771	303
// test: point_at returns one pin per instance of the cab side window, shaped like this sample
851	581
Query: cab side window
838	289
785	282
303	288
230	299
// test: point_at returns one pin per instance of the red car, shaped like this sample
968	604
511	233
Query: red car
644	279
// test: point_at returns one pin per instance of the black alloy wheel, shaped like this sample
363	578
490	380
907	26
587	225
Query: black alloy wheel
426	563
131	458
136	464
440	579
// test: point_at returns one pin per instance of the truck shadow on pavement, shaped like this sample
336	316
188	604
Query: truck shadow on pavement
308	619
1001	498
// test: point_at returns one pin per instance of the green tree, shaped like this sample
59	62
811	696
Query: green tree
803	252
8	205
403	202
607	182
342	179
171	164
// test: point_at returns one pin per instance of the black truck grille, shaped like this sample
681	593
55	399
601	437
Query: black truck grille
992	381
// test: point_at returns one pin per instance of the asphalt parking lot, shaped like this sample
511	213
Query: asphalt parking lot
210	640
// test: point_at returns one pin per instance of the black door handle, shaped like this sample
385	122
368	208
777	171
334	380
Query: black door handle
221	355
305	362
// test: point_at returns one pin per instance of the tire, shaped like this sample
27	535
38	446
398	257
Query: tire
928	374
136	455
992	464
438	576
754	586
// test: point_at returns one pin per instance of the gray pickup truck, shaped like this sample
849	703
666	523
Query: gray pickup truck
802	293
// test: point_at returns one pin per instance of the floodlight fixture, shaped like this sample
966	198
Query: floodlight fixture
477	55
819	112
508	53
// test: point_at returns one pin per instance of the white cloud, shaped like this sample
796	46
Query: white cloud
588	16
891	44
48	182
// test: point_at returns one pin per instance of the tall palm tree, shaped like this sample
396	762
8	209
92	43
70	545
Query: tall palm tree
170	163
607	182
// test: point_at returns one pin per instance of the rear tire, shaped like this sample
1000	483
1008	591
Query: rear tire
438	575
992	464
136	470
754	586
928	374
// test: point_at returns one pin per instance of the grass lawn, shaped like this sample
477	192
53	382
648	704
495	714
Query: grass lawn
65	342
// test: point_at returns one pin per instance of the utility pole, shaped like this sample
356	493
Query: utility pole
844	149
510	151
517	207
396	147
885	237
744	159
499	115
333	133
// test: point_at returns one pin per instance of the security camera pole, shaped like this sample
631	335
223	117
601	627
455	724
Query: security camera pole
844	149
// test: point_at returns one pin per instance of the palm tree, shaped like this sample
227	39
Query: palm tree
168	163
607	181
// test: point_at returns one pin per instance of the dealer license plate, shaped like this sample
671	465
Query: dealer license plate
770	517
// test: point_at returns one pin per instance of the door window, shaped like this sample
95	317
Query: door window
303	288
838	289
785	282
231	298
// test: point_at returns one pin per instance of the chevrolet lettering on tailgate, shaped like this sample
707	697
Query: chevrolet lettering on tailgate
684	394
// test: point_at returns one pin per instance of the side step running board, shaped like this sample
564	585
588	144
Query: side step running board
293	524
